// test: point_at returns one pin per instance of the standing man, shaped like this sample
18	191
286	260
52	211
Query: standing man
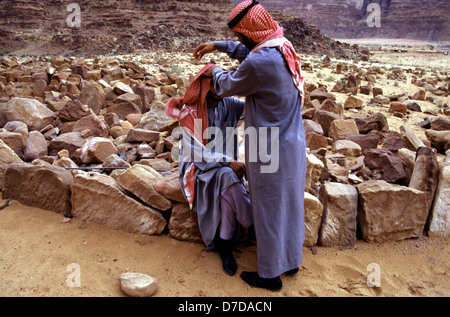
211	178
271	79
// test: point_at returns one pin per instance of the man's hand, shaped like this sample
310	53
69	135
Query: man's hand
238	168
203	49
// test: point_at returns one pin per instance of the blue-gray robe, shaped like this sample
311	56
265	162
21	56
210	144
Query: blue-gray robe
277	196
214	176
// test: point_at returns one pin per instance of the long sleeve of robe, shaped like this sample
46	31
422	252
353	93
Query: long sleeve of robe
277	197
212	174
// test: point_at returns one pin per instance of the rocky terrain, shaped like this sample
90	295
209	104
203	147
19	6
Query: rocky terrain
399	19
83	135
118	27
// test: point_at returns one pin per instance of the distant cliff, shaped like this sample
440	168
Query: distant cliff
406	19
117	27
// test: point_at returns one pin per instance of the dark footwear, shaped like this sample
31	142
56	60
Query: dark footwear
292	272
253	279
225	248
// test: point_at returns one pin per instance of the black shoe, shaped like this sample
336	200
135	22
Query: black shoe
292	272
253	279
225	248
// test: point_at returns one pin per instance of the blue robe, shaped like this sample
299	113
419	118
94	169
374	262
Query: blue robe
277	196
213	176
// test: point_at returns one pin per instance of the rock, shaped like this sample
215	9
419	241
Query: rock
147	95
412	142
387	162
339	128
413	106
14	140
397	107
155	119
340	202
390	212
353	102
394	143
138	284
114	160
420	95
376	122
142	135
140	180
98	198
321	96
315	141
439	224
377	91
145	151
347	147
30	111
94	124
365	141
331	106
95	150
440	124
169	186
74	110
121	88
183	224
324	119
314	167
42	186
35	147
439	139
313	218
93	96
425	175
125	104
7	157
408	158
70	141
311	126
17	127
65	162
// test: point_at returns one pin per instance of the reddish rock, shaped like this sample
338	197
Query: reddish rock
387	162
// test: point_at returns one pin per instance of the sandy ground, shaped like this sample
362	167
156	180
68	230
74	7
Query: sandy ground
41	252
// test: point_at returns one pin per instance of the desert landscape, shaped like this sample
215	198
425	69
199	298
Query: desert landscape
106	110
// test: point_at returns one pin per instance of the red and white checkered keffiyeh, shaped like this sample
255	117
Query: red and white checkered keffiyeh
187	109
259	26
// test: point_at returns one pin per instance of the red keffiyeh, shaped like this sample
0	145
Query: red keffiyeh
192	106
259	26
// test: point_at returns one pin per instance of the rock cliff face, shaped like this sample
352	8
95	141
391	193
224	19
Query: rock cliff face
411	19
116	27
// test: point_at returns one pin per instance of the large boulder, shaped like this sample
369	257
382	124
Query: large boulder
95	150
340	205
98	198
313	219
439	222
30	111
140	180
183	224
42	186
7	157
391	212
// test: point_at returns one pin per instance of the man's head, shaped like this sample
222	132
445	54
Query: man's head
252	24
